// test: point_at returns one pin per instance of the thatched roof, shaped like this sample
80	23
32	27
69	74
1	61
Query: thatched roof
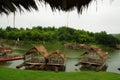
67	5
5	50
99	51
57	53
38	49
7	6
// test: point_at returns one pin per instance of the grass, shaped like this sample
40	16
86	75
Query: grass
14	74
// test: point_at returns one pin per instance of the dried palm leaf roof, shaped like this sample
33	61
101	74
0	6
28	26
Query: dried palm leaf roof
57	53
38	49
7	6
67	5
99	51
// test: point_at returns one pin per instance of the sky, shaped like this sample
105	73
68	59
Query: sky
102	15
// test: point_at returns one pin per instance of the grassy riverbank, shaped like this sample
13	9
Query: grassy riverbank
14	74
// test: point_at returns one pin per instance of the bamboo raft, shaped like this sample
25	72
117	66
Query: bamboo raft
38	58
94	57
87	64
56	61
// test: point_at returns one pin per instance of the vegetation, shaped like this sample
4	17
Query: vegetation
14	74
62	34
117	36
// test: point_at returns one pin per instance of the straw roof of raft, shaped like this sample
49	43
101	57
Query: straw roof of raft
57	53
40	49
99	51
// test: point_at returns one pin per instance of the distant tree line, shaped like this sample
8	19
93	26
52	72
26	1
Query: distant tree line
117	35
63	34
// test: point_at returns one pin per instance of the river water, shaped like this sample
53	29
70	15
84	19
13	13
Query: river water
113	61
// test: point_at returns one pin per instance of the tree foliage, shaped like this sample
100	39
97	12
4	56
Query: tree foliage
106	39
64	34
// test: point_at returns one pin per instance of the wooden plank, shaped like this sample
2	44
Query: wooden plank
34	63
31	66
55	64
56	69
90	63
21	65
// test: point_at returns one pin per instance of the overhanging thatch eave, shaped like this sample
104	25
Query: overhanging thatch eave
68	5
7	6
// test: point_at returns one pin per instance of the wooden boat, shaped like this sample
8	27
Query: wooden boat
6	56
10	58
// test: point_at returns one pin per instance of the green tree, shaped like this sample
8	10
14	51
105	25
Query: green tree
106	39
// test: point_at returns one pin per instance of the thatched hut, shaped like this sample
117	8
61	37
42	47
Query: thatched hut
5	50
75	46
56	61
68	45
79	46
40	50
7	6
35	58
94	56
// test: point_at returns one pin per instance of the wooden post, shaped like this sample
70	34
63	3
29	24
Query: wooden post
56	68
42	66
78	64
21	65
88	65
31	66
100	67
